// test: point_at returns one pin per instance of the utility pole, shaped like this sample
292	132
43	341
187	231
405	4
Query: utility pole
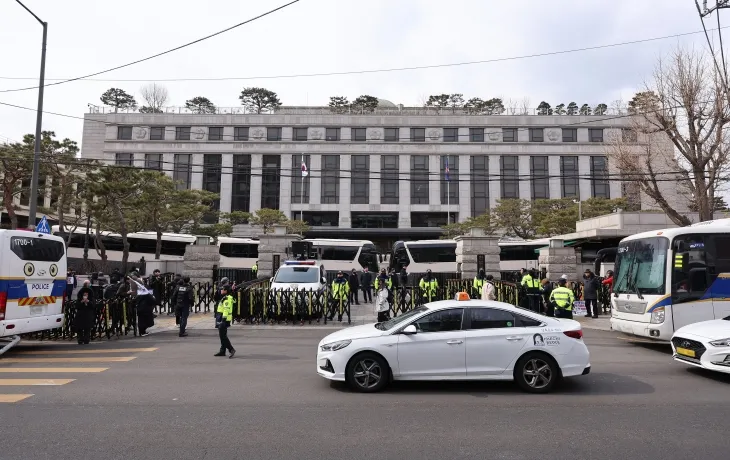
38	125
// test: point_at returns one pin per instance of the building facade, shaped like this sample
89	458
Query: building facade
396	173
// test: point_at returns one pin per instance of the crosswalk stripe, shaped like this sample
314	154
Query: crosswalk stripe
34	382
110	359
83	352
51	370
9	398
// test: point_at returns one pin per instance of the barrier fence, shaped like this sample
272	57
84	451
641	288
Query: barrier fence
257	303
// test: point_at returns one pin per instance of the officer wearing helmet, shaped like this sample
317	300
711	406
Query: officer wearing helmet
429	285
562	299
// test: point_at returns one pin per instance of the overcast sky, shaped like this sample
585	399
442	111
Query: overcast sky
315	36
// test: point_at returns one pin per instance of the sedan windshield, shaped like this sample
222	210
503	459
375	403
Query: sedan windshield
288	275
390	324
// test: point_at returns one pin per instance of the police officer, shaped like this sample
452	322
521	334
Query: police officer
531	285
340	291
182	299
255	269
479	282
383	279
219	292
224	317
562	299
428	285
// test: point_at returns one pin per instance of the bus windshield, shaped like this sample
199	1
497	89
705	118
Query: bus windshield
641	265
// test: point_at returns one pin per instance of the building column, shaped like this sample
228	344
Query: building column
315	180
614	186
554	181
285	185
404	191
139	160
584	174
374	179
257	165
196	181
495	184
464	187
523	171
226	182
168	163
434	180
345	189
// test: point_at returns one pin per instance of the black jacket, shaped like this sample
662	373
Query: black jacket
354	281
590	288
85	310
183	296
367	279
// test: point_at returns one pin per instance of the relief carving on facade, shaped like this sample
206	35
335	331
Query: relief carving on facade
553	135
316	134
434	134
258	134
494	135
140	132
374	134
199	133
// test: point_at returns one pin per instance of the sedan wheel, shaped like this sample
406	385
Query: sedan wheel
536	373
367	373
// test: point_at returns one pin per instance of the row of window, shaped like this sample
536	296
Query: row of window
419	178
241	133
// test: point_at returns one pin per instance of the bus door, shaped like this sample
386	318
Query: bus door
718	266
690	281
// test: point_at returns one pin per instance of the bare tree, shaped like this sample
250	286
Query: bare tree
680	124
511	107
155	97
525	106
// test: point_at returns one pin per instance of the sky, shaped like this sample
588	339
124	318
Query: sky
320	36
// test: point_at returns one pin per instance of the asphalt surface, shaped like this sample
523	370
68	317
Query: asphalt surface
174	400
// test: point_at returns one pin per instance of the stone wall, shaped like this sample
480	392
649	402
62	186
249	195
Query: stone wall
199	262
272	244
469	247
558	261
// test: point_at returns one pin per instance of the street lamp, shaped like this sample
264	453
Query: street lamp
38	124
580	209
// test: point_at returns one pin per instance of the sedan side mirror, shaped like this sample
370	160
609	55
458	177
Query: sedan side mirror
409	330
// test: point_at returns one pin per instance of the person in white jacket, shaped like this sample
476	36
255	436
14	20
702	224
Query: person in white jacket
381	303
488	290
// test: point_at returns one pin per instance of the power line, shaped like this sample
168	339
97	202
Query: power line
369	71
158	54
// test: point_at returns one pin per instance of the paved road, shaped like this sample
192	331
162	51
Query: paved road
162	397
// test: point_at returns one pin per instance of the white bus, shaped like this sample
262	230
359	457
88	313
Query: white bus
439	256
32	282
238	252
667	279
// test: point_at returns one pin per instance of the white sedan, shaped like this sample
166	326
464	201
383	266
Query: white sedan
457	340
704	344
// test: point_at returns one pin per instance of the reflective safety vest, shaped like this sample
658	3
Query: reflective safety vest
478	284
340	289
255	268
563	298
529	282
429	287
388	282
225	308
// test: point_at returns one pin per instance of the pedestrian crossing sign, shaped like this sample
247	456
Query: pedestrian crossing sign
43	226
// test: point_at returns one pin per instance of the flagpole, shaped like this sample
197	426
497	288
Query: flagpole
448	202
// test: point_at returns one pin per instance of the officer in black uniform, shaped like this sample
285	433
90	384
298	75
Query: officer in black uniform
183	300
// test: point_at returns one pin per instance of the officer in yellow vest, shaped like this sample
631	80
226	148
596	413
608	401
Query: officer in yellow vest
340	291
562	299
223	319
428	286
255	269
479	282
531	285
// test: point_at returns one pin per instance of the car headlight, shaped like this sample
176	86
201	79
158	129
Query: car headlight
657	316
334	346
721	343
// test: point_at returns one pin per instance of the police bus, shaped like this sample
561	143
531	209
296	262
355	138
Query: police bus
667	279
32	282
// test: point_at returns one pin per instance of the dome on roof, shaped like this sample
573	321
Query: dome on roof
384	103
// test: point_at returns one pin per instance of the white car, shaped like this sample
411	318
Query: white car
457	340
299	275
704	344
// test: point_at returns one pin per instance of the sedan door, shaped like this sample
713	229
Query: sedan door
494	338
436	350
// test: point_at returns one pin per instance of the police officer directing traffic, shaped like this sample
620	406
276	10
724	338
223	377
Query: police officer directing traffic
562	299
183	300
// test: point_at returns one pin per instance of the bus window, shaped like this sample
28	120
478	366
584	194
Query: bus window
429	253
339	252
37	249
368	257
689	268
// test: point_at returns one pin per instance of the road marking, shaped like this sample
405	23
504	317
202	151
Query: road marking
51	370
83	352
110	359
13	398
34	382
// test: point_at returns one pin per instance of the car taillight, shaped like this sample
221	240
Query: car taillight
3	304
574	334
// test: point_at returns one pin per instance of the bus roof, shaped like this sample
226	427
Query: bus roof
316	241
140	235
540	242
232	240
709	226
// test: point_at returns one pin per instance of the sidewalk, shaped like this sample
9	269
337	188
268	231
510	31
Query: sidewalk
602	323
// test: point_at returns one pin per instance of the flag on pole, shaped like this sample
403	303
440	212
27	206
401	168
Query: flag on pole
305	173
446	170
